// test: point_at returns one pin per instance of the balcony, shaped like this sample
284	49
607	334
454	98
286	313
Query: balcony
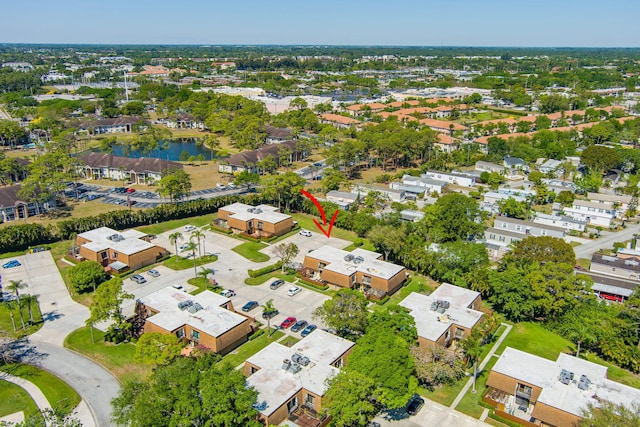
305	416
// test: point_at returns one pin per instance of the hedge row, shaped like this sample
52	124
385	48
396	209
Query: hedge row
20	237
313	284
265	270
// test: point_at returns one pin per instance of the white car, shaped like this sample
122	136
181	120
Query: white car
305	233
189	228
183	248
220	186
293	290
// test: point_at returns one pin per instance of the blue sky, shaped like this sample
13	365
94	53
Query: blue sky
354	22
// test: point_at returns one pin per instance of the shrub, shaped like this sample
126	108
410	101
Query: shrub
265	270
86	276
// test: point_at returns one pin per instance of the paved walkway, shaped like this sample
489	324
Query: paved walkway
33	390
484	362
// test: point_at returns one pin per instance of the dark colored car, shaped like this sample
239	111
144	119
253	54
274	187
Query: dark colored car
250	306
276	284
306	331
414	404
299	325
270	314
288	322
11	264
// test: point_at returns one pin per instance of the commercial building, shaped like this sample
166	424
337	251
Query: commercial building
291	382
532	390
118	251
207	319
446	316
357	269
261	221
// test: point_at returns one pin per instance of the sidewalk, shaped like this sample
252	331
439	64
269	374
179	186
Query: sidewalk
35	393
484	362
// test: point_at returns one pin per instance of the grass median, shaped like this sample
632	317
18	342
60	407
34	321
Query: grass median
251	251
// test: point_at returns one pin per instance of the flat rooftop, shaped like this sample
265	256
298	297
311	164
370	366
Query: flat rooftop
361	260
265	213
275	386
127	242
211	318
431	324
545	374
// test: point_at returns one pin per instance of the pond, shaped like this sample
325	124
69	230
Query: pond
172	152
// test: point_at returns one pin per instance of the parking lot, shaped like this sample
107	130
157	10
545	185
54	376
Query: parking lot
431	414
230	272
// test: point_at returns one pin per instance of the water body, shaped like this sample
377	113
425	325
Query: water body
172	152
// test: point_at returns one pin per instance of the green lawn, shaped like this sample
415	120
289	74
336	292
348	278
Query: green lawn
250	250
469	403
445	394
417	283
59	394
253	281
116	358
6	326
197	221
181	263
248	349
290	341
533	338
14	398
203	285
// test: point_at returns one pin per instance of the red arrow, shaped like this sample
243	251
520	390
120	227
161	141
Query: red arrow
324	218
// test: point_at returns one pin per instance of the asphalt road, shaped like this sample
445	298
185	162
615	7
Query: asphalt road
606	241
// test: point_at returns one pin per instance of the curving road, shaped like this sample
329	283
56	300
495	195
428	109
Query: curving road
96	385
606	241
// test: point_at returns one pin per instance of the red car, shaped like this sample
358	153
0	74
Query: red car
288	322
131	190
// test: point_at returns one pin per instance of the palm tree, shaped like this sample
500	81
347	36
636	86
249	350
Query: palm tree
267	308
173	239
15	286
192	247
197	234
29	300
205	272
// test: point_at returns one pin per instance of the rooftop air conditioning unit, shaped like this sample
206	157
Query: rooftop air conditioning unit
257	210
294	368
304	360
296	358
285	364
434	305
348	257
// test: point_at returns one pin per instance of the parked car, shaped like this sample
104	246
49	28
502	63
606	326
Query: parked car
220	186
305	233
11	264
270	314
178	287
131	190
231	185
288	322
293	290
189	228
306	331
276	284
183	248
138	279
299	325
228	293
250	306
414	404
153	273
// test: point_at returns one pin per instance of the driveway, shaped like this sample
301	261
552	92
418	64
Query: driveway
432	414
